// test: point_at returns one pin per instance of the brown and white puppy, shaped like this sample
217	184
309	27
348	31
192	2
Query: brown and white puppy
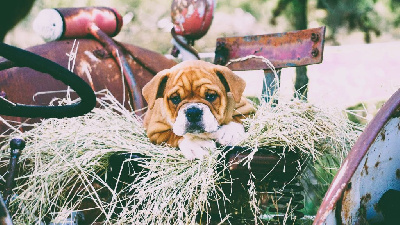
193	105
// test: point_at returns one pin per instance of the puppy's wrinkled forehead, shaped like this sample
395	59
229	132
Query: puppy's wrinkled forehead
191	79
190	75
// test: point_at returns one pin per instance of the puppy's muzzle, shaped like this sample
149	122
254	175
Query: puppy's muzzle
195	118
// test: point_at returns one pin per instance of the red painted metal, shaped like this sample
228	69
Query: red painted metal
297	48
192	18
357	153
116	51
77	21
93	63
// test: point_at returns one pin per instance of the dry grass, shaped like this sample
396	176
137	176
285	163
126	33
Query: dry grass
65	163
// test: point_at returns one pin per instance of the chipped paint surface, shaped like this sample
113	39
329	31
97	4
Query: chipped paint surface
86	69
192	18
376	174
92	57
371	168
297	48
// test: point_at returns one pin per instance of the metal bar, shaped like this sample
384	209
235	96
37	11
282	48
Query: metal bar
117	53
17	145
297	48
270	85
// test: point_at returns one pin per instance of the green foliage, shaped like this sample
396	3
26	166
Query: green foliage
359	112
353	15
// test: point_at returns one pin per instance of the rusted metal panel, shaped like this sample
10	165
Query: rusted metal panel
93	64
377	173
370	169
297	48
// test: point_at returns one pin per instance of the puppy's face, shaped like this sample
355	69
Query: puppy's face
195	96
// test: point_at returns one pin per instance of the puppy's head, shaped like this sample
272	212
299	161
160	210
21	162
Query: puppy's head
197	95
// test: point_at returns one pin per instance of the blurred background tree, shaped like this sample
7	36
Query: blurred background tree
353	15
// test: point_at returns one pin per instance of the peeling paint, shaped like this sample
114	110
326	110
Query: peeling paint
92	56
383	136
201	10
383	172
190	11
86	69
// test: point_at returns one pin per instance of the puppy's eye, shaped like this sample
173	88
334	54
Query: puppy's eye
211	97
175	99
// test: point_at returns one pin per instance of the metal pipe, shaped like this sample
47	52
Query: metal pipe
117	53
17	145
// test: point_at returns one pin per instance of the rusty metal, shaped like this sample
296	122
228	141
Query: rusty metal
99	22
16	145
297	48
188	47
116	51
67	23
77	21
25	58
370	169
192	18
39	88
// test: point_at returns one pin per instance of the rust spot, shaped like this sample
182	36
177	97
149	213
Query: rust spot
366	198
346	203
390	158
377	164
398	173
348	187
365	167
383	136
362	211
102	54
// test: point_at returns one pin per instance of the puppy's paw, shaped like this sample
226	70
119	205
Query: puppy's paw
195	148
230	134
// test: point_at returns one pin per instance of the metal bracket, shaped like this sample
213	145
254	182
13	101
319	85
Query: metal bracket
296	48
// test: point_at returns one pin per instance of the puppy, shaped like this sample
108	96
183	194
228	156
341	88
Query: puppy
193	105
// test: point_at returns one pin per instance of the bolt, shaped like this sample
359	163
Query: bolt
220	44
17	143
314	37
314	52
3	94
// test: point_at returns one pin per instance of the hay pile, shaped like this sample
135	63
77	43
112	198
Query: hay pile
65	164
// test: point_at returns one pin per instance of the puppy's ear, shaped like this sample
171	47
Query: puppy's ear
155	87
232	82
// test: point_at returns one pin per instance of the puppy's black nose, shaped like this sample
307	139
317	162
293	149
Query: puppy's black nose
193	114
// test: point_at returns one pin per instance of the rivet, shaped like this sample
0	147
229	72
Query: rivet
314	37
3	94
315	52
